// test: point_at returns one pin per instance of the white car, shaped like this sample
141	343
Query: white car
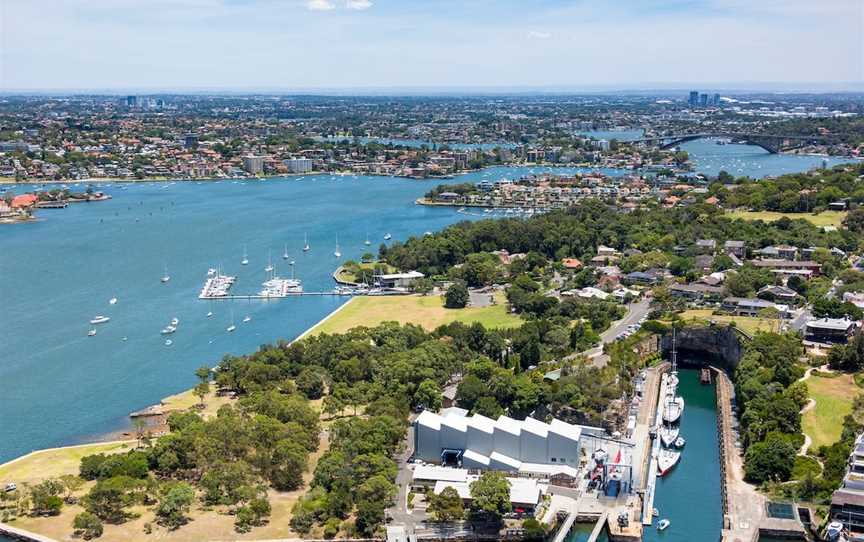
10	487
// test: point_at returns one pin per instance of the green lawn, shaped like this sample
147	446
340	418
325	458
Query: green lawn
833	395
825	218
747	324
426	311
57	461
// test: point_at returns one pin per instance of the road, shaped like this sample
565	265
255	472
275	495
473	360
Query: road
399	512
634	313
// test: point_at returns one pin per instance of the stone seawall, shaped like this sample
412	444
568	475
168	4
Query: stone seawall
721	346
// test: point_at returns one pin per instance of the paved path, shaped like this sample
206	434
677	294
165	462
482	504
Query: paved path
634	313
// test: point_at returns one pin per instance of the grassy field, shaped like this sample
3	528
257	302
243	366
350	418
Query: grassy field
427	311
55	462
825	218
747	324
833	395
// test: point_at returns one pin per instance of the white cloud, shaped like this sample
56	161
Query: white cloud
358	4
534	34
320	5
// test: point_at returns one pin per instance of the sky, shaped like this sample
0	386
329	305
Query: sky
321	44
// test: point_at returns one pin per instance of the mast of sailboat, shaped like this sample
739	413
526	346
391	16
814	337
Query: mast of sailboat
674	353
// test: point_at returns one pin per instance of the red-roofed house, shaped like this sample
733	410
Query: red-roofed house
24	200
571	263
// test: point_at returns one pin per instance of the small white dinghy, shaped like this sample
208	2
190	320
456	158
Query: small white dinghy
661	526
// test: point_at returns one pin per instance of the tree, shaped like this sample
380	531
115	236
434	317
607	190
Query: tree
770	459
490	496
534	530
87	526
373	497
203	387
72	484
310	382
428	395
288	465
174	504
456	296
446	506
45	498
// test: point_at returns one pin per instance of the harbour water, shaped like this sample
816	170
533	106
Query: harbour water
58	386
689	496
749	160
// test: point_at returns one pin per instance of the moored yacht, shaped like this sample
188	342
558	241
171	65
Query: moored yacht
667	459
668	434
99	320
673	409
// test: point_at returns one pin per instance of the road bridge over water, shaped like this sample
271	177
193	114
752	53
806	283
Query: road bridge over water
772	143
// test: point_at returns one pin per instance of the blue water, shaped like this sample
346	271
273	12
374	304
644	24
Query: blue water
689	496
749	160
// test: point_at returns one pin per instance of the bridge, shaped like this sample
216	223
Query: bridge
770	142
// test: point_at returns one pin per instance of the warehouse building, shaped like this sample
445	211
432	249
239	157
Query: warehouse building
478	442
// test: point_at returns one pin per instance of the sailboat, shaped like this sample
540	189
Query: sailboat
269	262
285	253
306	246
367	242
387	236
166	277
668	435
245	260
232	327
337	253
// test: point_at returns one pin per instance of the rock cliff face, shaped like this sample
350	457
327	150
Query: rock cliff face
721	346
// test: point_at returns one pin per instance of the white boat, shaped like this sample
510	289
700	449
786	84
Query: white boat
337	253
673	409
211	272
112	301
230	328
387	236
175	321
680	442
209	314
306	246
269	262
245	260
165	276
167	330
285	253
99	320
667	459
668	434
662	524
247	318
168	342
91	333
367	242
834	532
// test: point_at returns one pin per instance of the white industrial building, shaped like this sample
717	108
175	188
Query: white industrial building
478	442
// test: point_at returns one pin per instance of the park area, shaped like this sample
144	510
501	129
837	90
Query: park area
833	393
206	523
748	324
425	311
825	218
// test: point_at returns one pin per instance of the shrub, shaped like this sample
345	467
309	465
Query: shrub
87	526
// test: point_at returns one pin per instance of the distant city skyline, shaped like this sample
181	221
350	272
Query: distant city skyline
468	45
